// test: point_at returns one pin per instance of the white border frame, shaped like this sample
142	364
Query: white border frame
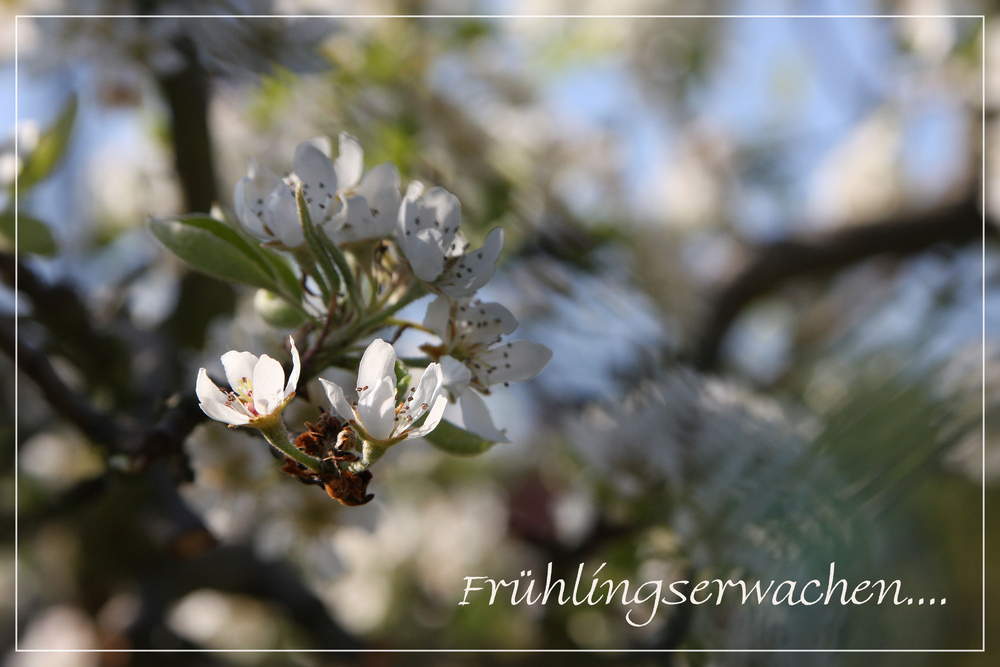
982	17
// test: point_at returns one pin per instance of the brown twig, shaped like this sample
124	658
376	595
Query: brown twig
822	255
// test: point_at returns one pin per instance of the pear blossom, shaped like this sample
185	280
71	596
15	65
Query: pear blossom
472	356
428	234
265	206
259	391
379	416
349	207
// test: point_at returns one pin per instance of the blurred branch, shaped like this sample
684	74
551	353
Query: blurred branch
777	263
187	95
97	425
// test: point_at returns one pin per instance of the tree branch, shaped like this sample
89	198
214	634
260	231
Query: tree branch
187	95
823	255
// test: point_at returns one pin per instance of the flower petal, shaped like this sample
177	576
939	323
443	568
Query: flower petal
281	214
349	224
247	211
433	418
425	227
474	269
437	316
425	393
206	390
239	367
514	362
268	385
380	188
338	400
424	253
482	323
293	377
378	361
377	409
250	199
350	162
444	212
319	180
455	375
212	401
477	419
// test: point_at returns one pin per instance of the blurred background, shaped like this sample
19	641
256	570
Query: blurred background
753	244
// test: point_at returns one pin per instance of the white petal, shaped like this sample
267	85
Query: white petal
349	224
444	211
406	209
212	401
378	361
239	367
455	375
223	413
377	409
433	418
426	227
281	214
426	391
338	400
380	188
350	161
437	316
475	269
477	419
458	247
206	390
268	385
514	362
371	212
483	323
414	190
247	214
423	251
293	377
319	181
251	200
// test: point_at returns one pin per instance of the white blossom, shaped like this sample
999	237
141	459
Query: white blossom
259	390
379	415
348	206
265	206
428	234
473	358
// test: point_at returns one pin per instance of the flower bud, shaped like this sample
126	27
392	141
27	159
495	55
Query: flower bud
276	311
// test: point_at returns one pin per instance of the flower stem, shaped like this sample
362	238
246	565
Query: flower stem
370	453
275	433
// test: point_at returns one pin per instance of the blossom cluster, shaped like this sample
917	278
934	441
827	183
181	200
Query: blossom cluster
362	250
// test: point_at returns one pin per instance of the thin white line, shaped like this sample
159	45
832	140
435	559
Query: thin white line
982	17
506	16
983	204
17	606
498	650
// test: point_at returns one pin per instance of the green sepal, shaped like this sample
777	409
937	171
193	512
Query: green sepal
403	378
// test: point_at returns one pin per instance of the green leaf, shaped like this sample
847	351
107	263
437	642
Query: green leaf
280	266
51	147
454	440
33	235
213	248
